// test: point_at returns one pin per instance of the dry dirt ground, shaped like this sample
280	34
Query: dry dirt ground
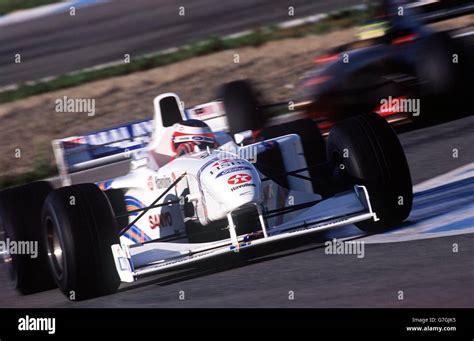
30	124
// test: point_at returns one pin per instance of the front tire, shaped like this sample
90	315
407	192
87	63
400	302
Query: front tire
78	230
242	106
369	153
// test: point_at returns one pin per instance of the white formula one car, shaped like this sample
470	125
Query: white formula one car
194	193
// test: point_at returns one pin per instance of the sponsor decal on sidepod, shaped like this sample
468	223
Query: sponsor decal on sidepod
241	180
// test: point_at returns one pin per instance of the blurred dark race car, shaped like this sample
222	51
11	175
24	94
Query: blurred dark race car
399	68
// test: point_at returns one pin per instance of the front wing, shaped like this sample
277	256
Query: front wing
154	257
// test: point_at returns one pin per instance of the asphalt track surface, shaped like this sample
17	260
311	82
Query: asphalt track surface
427	270
103	33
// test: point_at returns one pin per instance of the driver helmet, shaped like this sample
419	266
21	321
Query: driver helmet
191	133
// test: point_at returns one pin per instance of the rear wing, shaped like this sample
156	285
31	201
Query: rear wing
123	142
77	153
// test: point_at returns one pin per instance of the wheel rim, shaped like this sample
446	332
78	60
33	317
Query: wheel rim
5	256
55	250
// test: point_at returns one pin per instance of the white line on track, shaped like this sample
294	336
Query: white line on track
45	10
442	206
465	34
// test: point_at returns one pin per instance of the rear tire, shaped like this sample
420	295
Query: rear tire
242	107
20	219
440	78
371	155
78	228
438	73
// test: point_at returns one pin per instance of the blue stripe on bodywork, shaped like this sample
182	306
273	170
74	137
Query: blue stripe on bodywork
129	200
136	204
457	225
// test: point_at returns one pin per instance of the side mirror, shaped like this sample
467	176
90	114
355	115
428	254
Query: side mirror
242	137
